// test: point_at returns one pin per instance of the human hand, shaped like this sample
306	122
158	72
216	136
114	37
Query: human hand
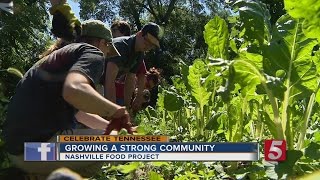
137	102
119	120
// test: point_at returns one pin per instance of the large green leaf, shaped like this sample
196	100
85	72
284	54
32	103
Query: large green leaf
198	91
154	176
275	84
308	10
214	123
127	168
286	167
160	102
247	75
290	50
216	36
270	124
313	151
179	85
256	21
172	101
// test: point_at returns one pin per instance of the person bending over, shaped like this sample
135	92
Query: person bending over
55	89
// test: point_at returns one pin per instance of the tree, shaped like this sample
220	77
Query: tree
276	9
182	21
24	35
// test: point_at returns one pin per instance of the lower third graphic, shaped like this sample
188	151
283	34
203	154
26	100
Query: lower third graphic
39	152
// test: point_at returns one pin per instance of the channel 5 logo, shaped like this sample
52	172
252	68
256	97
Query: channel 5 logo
39	152
275	150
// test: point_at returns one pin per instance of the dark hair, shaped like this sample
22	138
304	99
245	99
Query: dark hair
122	26
60	43
57	45
62	28
153	29
154	75
87	39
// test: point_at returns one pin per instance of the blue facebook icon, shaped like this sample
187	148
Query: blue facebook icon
39	152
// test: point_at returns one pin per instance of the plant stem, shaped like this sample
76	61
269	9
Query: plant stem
229	122
286	99
306	118
259	123
243	111
277	120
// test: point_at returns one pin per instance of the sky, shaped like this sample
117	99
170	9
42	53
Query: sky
75	7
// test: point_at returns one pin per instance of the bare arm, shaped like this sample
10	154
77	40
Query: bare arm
109	84
129	88
78	92
93	121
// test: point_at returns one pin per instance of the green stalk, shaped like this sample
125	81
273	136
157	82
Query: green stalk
259	129
306	118
274	105
198	121
175	119
277	120
286	99
187	112
201	120
289	133
285	105
179	118
206	120
229	124
163	120
244	110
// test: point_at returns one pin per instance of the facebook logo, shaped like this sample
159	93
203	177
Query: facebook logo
39	152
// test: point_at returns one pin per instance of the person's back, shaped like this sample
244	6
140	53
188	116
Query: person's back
56	90
37	110
129	60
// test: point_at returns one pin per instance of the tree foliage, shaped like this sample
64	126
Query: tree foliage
24	35
182	20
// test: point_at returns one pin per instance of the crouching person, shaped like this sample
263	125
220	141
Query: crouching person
58	87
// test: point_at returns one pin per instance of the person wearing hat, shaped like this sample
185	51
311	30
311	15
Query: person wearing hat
122	28
132	51
58	87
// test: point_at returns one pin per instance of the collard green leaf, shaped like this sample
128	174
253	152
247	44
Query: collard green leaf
198	90
184	70
213	123
313	151
276	85
308	10
216	36
248	68
179	84
270	124
159	164
247	75
160	102
256	59
290	50
127	168
286	167
256	21
317	137
154	176
172	101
